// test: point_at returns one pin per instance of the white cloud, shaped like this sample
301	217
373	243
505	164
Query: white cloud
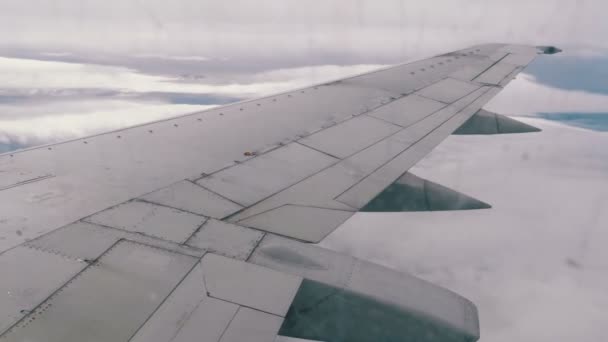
175	58
52	122
535	264
31	75
287	29
524	96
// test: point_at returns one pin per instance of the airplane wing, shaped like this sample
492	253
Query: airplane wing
202	227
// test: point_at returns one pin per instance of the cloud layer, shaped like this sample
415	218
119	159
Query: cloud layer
253	35
535	264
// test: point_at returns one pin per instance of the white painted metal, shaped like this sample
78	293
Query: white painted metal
249	285
426	136
350	136
267	174
407	110
108	301
448	90
14	177
190	197
520	59
226	239
80	240
369	280
407	78
150	219
417	295
207	322
496	73
29	276
357	179
252	326
176	310
300	222
472	70
309	261
519	49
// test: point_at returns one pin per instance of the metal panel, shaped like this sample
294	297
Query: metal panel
11	177
264	175
252	326
316	190
188	315
150	219
108	301
306	260
78	241
519	49
371	281
519	59
472	70
510	77
304	223
425	136
407	78
350	136
226	239
170	317
320	189
208	322
496	73
408	110
448	90
249	285
188	196
29	276
414	294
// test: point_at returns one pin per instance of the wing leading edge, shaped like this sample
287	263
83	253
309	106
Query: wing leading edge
190	227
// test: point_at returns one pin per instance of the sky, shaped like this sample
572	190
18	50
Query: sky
535	264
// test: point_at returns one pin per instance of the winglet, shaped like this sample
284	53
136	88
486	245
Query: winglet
548	50
412	193
485	122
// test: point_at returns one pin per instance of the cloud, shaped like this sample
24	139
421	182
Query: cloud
525	96
576	70
280	33
48	101
47	123
33	75
535	264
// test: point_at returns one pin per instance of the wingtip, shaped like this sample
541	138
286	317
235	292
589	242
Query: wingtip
548	50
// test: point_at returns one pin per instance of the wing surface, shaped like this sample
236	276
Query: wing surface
193	227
